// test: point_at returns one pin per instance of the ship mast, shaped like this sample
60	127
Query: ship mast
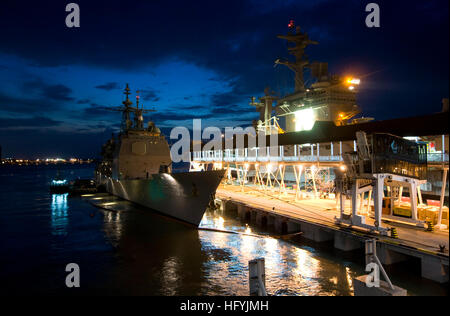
138	114
126	122
300	41
127	109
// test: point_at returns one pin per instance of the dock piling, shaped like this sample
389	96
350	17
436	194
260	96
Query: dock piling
257	277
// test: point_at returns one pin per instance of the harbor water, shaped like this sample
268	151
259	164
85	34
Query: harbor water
129	250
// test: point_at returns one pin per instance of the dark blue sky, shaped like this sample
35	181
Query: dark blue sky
200	59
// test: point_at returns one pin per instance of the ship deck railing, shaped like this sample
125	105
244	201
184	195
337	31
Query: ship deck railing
437	158
234	156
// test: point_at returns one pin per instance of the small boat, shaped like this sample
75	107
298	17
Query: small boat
82	186
59	184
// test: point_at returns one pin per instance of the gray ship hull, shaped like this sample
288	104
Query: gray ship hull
183	196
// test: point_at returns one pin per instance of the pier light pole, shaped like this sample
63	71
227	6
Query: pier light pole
441	206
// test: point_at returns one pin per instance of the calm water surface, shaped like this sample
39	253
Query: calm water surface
133	251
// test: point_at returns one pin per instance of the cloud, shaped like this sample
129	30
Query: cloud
41	143
36	121
83	101
109	86
193	107
22	105
96	112
167	116
235	40
58	92
150	95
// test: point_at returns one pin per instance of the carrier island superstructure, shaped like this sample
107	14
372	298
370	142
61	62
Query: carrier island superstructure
337	178
317	141
329	102
137	166
330	98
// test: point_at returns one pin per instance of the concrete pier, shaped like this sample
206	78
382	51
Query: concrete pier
361	289
388	256
315	219
312	232
435	269
346	242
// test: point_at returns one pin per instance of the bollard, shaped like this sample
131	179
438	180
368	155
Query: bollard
430	227
394	233
257	277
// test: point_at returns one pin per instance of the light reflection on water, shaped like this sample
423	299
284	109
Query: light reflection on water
131	250
115	225
60	219
186	261
290	270
170	276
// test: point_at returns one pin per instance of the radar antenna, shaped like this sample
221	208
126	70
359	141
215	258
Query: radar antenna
300	41
127	108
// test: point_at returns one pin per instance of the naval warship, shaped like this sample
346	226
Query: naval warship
137	166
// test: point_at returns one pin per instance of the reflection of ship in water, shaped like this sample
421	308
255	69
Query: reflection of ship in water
159	257
137	166
154	255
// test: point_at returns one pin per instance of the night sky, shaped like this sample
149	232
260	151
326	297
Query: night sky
200	59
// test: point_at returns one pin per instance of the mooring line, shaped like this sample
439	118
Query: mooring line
230	232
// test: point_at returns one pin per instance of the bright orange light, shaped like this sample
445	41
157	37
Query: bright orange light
355	81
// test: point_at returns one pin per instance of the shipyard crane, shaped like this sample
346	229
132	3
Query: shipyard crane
381	160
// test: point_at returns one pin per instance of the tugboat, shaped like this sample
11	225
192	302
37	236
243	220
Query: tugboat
137	166
59	185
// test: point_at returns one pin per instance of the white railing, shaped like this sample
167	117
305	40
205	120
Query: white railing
241	156
437	157
233	156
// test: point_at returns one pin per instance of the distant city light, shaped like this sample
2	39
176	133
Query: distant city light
44	161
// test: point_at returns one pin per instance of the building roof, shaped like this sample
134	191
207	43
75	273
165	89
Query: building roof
426	125
326	132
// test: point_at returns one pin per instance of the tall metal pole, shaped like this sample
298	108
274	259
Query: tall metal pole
444	183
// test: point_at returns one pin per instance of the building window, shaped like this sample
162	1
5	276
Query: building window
426	187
